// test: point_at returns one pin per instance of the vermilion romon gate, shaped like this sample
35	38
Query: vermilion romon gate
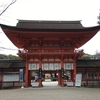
49	46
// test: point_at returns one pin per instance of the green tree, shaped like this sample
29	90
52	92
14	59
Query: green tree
2	56
96	55
86	56
12	57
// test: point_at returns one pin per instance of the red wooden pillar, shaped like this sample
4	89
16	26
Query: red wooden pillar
72	75
62	78
2	79
40	73
74	72
87	78
59	77
29	77
26	77
97	75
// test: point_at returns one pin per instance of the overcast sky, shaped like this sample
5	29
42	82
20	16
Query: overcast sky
85	10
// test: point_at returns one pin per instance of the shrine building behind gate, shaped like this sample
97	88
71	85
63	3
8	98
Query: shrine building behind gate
49	46
10	73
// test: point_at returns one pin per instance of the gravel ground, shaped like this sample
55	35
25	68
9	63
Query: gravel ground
51	93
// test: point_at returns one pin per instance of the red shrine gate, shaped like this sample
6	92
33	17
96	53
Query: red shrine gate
51	62
60	66
49	46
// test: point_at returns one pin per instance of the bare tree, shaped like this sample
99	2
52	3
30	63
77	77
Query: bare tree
5	5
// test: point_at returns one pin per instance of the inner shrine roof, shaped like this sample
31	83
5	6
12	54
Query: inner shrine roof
88	63
12	63
80	63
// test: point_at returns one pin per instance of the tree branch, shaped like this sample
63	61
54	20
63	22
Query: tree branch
13	1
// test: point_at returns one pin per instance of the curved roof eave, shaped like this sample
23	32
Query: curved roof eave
47	29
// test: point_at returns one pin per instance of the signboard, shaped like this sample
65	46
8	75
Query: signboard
62	72
21	75
78	80
40	73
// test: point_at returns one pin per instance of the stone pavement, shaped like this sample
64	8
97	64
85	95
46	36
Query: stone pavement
51	93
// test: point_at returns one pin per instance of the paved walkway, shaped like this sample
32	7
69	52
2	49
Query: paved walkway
51	93
50	83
